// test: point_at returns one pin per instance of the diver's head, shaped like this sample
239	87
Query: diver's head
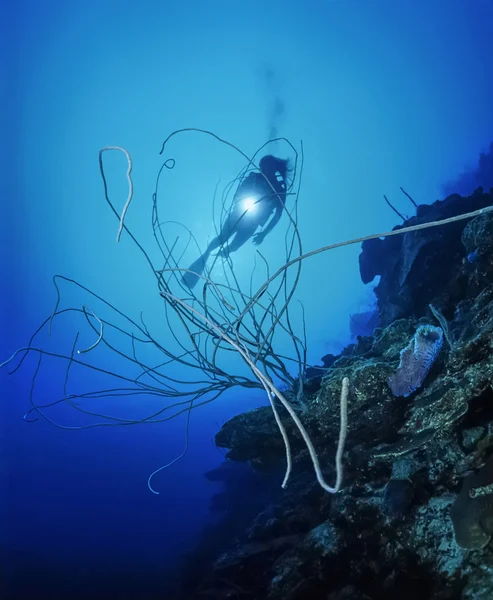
270	165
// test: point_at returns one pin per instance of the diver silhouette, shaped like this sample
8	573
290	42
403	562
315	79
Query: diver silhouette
260	196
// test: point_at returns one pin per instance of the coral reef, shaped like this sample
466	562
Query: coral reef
414	516
423	267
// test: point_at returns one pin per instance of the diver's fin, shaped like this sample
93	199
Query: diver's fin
195	270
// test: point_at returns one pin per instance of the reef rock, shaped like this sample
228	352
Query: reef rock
414	517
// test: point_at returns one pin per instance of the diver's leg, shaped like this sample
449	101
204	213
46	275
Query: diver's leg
191	277
228	229
241	237
221	238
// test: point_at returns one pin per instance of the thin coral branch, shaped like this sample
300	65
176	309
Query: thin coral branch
130	185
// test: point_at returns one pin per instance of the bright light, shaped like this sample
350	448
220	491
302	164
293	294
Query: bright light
249	203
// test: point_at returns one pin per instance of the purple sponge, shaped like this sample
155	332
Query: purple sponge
416	360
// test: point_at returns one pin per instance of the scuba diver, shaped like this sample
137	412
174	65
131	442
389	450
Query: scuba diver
260	196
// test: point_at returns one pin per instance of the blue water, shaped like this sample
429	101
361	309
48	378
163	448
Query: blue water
382	94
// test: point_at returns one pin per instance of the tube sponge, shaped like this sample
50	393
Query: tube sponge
416	360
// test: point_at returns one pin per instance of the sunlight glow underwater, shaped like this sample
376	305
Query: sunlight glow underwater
249	203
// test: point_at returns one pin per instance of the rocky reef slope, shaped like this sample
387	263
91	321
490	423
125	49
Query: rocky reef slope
414	518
